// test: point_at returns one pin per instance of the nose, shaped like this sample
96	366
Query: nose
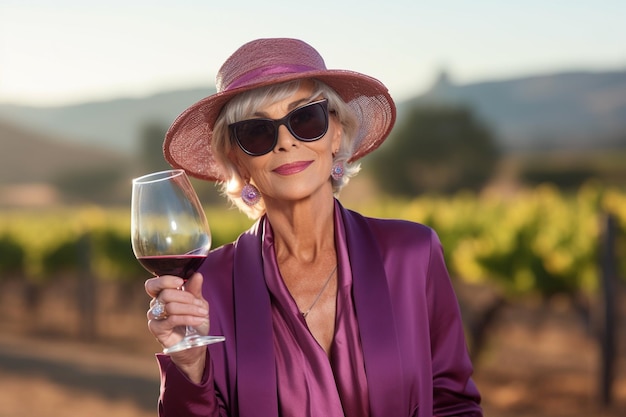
285	139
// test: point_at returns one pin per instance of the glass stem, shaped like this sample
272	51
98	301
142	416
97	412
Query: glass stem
190	331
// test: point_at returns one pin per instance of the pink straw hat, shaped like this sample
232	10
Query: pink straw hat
272	61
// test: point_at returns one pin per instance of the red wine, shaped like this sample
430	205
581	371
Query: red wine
179	265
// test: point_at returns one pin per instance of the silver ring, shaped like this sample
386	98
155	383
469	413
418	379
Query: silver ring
158	310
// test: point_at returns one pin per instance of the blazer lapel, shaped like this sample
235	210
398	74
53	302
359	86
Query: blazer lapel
256	369
375	317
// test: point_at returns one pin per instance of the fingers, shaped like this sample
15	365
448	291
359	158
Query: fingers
168	328
177	303
173	322
194	284
169	303
154	286
157	310
178	307
173	307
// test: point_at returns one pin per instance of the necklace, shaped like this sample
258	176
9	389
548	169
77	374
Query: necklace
306	313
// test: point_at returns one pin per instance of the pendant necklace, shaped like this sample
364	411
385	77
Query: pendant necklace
306	313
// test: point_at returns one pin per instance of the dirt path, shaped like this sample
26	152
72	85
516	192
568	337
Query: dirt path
545	363
39	377
538	362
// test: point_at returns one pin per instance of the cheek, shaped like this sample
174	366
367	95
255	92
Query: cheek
254	167
246	165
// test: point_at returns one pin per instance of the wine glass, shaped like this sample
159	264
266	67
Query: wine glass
170	234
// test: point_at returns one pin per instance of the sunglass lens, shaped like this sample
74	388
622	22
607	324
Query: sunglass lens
309	123
256	136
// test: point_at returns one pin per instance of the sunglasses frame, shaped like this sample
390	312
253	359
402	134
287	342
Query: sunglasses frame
276	123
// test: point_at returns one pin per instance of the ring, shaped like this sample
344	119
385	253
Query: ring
158	310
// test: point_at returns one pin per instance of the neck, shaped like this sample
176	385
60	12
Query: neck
303	230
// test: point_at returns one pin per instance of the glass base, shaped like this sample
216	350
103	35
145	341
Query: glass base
193	341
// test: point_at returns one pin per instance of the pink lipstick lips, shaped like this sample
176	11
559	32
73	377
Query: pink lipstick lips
292	168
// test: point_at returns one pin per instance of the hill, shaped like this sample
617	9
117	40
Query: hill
37	170
577	109
30	157
114	124
568	110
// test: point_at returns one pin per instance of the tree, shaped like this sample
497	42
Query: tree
152	136
440	149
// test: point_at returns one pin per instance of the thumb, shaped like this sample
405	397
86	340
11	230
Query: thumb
194	284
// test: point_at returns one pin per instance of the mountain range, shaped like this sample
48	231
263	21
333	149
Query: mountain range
114	125
563	110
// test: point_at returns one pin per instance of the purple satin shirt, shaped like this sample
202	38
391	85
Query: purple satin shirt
334	386
399	347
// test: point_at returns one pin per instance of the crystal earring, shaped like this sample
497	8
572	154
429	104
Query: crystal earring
250	194
337	171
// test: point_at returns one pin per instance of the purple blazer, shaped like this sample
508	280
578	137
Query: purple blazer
409	322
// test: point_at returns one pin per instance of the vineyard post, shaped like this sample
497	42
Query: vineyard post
608	307
87	289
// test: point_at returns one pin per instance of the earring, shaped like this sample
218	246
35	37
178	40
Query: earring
250	194
337	171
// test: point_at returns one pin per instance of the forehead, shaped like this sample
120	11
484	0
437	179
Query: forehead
281	105
259	100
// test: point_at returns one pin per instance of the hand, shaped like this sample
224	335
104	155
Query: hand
186	307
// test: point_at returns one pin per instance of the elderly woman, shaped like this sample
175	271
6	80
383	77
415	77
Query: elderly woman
325	312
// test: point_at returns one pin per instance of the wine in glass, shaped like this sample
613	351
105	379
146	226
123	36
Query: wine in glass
170	234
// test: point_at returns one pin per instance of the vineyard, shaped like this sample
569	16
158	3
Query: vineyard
70	272
538	241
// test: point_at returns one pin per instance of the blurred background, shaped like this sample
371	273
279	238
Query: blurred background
510	142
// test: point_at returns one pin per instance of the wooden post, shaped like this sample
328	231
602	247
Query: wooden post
86	290
608	308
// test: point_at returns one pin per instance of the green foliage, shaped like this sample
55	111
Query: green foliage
113	253
440	149
538	241
63	258
151	139
570	178
11	256
96	186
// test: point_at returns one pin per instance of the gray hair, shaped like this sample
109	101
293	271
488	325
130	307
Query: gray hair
244	105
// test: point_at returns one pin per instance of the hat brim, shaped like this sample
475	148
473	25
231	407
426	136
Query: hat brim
188	141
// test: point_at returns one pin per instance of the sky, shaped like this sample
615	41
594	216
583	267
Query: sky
60	52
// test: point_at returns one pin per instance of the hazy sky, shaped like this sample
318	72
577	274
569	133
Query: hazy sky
65	51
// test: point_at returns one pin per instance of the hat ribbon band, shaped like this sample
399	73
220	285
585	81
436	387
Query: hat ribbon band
269	70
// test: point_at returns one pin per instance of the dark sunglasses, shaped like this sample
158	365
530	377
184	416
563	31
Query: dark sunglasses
257	137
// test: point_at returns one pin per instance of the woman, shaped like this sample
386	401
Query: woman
325	312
